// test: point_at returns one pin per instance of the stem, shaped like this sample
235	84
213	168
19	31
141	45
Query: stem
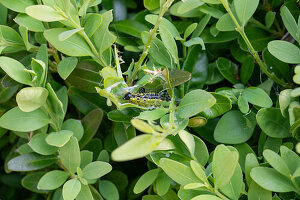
152	35
53	118
295	185
254	53
220	195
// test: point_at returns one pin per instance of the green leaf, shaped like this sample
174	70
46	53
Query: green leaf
290	158
130	27
289	22
206	197
188	5
272	180
222	105
158	51
151	4
137	147
103	38
145	180
256	192
276	162
38	12
30	23
227	69
67	34
15	70
223	165
188	140
73	46
269	18
243	104
189	107
124	115
31	98
108	190
250	162
96	170
195	41
92	23
178	172
225	23
71	189
273	123
91	123
59	139
39	145
284	51
52	180
85	193
189	30
247	69
142	126
178	77
17	120
241	128
245	9
75	127
257	97
17	5
30	162
199	171
164	23
30	182
66	66
70	155
169	42
162	184
153	114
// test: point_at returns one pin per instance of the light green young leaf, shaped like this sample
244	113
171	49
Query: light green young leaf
73	46
276	162
245	9
224	164
17	5
206	197
70	155
66	66
71	189
189	5
31	98
67	34
189	107
17	120
96	169
243	104
15	70
85	193
257	97
108	190
256	192
272	180
189	30
137	147
151	4
142	126
44	13
199	171
39	145
145	180
225	23
290	23
169	42
177	171
59	139
269	18
52	180
30	23
188	140
195	41
284	51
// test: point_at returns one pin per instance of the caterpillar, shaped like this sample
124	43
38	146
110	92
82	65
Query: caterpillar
147	99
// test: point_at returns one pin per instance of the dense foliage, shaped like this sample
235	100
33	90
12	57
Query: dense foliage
152	99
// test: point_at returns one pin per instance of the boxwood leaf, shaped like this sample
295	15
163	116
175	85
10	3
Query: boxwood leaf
85	193
284	51
137	147
276	162
15	70
245	9
206	197
227	69
74	126
17	5
71	189
17	120
257	97
241	128
31	98
59	139
52	180
257	192
194	102
31	23
30	182
70	155
73	46
96	169
289	22
30	162
38	12
225	23
145	180
39	145
66	66
177	171
270	119
272	180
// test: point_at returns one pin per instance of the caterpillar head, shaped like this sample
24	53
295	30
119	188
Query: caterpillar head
127	96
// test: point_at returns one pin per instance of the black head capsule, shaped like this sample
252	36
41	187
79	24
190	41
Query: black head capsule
127	96
142	90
